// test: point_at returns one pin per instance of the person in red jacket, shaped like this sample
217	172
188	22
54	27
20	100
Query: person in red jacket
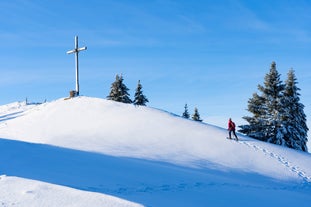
231	128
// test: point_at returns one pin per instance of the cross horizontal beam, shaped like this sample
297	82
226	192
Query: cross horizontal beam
76	50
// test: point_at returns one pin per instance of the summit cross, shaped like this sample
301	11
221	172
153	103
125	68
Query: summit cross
76	51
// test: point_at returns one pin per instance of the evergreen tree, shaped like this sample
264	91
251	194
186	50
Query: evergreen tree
196	115
186	113
266	122
273	93
294	118
255	128
140	99
119	91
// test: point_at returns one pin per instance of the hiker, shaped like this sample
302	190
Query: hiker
231	128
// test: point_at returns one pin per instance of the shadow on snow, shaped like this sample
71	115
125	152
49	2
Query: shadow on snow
142	181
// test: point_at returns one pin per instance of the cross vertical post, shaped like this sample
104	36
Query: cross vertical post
77	65
76	51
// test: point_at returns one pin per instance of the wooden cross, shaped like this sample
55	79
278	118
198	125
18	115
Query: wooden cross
76	50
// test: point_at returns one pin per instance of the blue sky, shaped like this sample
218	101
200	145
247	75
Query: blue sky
208	54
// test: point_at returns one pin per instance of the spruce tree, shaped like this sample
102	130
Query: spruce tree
294	118
139	98
196	115
186	114
255	128
272	94
119	91
266	122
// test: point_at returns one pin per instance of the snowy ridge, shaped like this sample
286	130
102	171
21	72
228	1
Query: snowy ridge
164	157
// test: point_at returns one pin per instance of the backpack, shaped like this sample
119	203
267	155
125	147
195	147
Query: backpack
232	125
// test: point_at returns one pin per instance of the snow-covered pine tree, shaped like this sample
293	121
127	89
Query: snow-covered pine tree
196	115
266	123
272	92
119	91
256	122
186	114
114	90
294	118
139	98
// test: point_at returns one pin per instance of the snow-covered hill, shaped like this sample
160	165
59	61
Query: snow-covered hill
21	192
145	155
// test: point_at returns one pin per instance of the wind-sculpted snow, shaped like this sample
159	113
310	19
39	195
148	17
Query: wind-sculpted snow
147	156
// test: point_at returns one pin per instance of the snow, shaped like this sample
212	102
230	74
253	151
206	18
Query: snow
23	192
93	149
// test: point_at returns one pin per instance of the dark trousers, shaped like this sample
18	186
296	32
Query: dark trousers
233	134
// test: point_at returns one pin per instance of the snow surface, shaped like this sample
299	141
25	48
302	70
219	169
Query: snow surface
23	192
140	154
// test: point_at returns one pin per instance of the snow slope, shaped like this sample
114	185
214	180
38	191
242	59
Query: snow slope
147	156
16	191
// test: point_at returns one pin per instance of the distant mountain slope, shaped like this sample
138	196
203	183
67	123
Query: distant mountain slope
102	126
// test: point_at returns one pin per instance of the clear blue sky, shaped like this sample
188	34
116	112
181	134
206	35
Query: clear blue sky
208	54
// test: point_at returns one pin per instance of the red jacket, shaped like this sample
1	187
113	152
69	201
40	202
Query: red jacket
231	125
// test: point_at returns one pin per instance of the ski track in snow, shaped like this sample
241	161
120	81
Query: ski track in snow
280	159
14	111
7	117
